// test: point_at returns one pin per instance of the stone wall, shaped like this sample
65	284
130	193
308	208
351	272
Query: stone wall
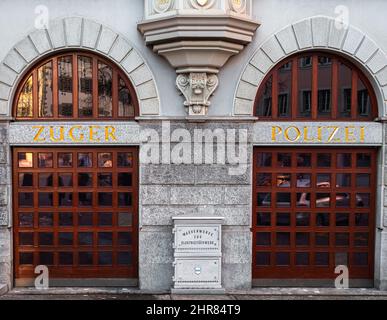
188	189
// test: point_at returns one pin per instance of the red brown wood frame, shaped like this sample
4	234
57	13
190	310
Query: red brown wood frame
312	271
117	73
75	270
356	74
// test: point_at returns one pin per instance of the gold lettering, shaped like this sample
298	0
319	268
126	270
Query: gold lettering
306	135
333	134
110	134
362	134
319	133
72	137
38	137
61	134
93	133
298	134
350	134
275	131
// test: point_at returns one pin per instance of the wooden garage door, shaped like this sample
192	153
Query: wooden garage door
313	209
75	211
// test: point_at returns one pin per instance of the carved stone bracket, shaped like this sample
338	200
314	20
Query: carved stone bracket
197	88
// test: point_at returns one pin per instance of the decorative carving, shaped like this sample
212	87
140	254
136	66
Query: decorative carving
161	6
202	4
197	88
239	6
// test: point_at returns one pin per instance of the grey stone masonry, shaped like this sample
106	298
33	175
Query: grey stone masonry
196	189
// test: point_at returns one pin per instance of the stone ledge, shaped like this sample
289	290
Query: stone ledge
3	289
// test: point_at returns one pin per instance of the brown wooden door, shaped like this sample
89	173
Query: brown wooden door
76	211
313	209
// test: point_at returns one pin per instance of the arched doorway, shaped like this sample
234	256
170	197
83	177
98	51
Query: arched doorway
75	208
314	207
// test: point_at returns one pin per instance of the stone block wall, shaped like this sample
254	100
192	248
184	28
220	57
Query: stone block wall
198	190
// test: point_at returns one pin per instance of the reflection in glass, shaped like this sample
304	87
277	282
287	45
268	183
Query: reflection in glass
125	219
65	86
343	200
105	96
302	239
85	219
105	199
26	220
85	86
323	180
360	258
304	160
66	219
264	199
85	160
363	200
65	160
303	180
323	200
343	180
105	160
25	159
363	100
46	219
105	219
303	200
361	239
85	179
284	90
344	160
263	239
363	160
46	238
282	259
322	219
321	259
342	219
26	180
263	179
322	239
262	259
65	199
264	159
124	238
283	238
324	160
283	200
65	238
263	219
302	219
45	180
284	180
341	259
124	199
124	179
65	179
45	160
361	220
284	159
105	179
105	258
124	159
25	103
105	238
85	238
283	219
305	86
45	91
324	86
124	258
125	106
264	104
26	199
342	239
363	180
345	91
85	199
302	258
46	199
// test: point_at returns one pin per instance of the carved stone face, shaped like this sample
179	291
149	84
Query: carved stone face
202	2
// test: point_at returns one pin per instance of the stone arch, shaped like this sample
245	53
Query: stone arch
78	33
315	33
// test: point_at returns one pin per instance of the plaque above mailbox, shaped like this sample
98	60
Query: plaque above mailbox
197	238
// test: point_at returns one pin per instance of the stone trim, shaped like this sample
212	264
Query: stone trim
318	33
78	33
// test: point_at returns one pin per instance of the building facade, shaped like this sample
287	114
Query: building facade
118	115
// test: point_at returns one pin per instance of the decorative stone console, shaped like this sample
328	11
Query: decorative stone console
197	37
197	255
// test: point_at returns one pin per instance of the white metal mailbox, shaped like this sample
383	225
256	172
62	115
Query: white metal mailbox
198	254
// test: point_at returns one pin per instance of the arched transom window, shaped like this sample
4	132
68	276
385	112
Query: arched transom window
75	86
315	86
